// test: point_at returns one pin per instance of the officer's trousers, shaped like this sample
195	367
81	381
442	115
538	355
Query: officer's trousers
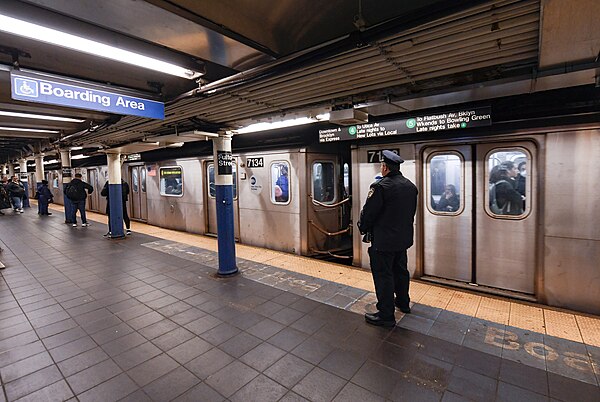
390	275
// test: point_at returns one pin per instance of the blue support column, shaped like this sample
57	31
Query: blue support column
224	198
115	197
67	174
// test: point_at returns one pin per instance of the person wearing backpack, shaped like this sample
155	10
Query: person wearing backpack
77	194
504	199
16	191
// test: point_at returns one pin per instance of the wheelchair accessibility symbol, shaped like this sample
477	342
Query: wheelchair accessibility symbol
24	87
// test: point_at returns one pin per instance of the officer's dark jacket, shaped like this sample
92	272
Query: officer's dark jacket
389	213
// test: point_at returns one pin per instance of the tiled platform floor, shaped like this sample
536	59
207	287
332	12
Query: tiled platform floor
85	318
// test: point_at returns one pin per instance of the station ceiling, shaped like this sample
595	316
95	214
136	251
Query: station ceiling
272	59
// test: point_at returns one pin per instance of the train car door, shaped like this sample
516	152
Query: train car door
480	215
211	202
138	205
93	200
326	233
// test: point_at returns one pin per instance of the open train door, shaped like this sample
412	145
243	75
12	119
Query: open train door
329	228
210	196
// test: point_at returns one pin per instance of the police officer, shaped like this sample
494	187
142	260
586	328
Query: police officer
388	217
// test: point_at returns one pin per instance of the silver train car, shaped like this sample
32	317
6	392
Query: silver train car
547	250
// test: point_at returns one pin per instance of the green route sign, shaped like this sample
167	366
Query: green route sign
461	119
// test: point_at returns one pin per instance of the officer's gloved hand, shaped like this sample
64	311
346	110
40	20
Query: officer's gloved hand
367	238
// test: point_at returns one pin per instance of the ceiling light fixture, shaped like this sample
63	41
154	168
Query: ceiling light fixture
63	39
82	156
40	117
281	124
31	130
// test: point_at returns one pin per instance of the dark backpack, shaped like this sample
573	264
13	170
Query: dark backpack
74	193
494	202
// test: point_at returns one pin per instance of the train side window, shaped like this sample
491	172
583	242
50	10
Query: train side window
134	180
143	173
55	180
346	180
171	181
507	180
445	183
323	181
280	182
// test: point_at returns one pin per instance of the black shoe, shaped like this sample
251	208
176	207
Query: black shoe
374	319
405	310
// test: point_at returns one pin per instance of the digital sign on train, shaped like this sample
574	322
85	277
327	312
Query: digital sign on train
419	124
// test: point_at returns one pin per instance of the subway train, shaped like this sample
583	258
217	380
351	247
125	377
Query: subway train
295	194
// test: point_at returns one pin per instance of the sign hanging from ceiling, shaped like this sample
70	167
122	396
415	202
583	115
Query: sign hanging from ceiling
33	87
461	119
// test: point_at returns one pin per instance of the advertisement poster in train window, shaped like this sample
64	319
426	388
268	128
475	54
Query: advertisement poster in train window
426	124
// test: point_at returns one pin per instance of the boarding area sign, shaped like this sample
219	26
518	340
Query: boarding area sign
432	123
33	87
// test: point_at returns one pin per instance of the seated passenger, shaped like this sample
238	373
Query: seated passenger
449	202
283	184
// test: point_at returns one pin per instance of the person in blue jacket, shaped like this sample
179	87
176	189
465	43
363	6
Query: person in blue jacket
45	197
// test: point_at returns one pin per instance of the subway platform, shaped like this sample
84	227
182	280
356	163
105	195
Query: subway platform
145	318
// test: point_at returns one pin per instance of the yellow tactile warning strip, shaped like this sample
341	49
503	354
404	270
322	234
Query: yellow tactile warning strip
554	322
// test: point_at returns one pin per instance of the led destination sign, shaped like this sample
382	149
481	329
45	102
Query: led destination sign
420	124
31	87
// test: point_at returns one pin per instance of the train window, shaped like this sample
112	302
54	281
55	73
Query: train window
134	180
171	181
508	184
323	181
211	180
346	180
280	184
445	184
143	174
54	180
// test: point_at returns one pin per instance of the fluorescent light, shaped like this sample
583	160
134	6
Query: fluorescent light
40	116
82	156
281	124
63	39
30	130
76	148
51	161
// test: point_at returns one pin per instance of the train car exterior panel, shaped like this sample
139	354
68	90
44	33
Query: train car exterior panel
572	224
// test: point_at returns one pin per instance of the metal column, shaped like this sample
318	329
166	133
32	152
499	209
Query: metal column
224	194
115	197
11	169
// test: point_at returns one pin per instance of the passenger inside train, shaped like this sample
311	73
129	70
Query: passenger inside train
449	201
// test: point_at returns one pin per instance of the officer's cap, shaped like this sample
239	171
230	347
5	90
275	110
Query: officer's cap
391	157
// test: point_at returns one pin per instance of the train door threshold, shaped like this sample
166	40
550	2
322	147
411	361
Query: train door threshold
480	288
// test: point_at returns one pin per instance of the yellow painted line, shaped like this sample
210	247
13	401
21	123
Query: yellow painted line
526	317
562	325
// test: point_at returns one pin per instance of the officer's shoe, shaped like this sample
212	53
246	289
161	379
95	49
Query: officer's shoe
374	319
405	310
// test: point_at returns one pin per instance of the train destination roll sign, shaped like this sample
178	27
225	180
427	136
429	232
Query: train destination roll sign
34	87
462	119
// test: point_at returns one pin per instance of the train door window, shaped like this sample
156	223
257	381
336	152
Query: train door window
171	181
210	170
507	180
143	179
323	181
55	180
134	180
280	182
346	180
445	183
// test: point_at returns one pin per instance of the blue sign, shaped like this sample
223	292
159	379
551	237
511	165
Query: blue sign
30	87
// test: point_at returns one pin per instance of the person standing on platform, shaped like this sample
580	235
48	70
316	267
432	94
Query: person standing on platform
44	198
17	192
388	216
4	196
76	192
125	196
